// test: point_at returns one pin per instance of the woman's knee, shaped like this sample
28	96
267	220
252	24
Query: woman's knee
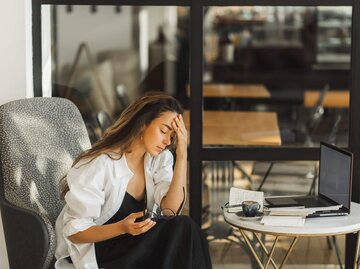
185	222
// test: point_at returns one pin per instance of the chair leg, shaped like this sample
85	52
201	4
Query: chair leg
227	245
312	187
242	170
336	246
329	243
265	176
335	128
313	184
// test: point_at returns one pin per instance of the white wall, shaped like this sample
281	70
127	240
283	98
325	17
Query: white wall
106	29
102	30
12	51
13	66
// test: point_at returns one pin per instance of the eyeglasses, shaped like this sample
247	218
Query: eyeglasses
165	214
159	213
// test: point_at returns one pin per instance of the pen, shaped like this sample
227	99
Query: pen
230	206
236	205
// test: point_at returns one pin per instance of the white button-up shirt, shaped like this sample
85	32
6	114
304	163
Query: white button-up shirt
97	190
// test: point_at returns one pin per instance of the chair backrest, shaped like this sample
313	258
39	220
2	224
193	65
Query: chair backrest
39	139
317	112
123	98
104	120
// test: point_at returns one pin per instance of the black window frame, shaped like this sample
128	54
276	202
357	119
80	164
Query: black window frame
198	152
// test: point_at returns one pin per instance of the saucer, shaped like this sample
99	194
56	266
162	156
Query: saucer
241	215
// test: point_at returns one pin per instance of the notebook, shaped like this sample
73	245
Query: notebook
334	185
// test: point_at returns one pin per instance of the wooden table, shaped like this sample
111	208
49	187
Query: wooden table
239	128
333	98
213	90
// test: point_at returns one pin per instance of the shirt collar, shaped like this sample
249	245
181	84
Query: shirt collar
122	169
147	160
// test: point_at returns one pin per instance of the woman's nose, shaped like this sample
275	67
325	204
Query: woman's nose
167	140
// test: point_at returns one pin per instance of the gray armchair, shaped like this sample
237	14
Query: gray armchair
39	139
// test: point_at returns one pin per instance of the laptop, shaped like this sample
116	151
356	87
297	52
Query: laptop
335	179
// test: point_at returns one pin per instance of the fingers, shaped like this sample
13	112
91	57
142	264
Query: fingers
140	224
136	228
134	216
181	135
179	125
175	127
180	122
143	226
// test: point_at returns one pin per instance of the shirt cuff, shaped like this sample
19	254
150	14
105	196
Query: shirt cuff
77	225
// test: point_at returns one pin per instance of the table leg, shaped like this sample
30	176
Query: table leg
293	243
269	254
247	241
356	258
265	249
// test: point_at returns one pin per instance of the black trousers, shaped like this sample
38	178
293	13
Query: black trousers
176	243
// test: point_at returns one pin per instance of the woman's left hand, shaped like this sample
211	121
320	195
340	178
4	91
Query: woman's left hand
181	135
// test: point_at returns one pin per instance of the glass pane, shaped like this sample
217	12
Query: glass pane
276	76
104	57
284	178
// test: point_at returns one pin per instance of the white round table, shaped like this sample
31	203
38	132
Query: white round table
320	226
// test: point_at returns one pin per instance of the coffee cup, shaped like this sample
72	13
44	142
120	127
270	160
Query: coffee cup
250	208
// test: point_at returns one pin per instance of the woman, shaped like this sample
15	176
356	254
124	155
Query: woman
130	169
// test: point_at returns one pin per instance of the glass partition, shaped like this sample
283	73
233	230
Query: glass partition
273	178
279	75
273	76
104	57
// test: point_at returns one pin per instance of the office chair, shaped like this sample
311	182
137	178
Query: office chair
93	131
288	136
123	98
39	139
316	114
104	120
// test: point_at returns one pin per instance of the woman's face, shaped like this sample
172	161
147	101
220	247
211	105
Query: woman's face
158	134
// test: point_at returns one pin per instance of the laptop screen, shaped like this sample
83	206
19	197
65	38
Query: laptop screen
335	174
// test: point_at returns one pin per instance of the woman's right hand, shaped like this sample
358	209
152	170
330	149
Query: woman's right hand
181	135
130	226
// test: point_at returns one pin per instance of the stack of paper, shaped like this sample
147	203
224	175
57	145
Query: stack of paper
286	221
298	211
291	216
237	196
332	207
286	211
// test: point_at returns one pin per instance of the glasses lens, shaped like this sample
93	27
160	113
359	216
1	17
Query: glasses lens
167	213
150	215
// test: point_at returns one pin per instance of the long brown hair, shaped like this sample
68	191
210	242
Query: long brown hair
118	138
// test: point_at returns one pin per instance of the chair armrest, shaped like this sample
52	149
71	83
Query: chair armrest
18	224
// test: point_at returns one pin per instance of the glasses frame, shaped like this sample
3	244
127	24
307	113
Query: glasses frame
158	215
